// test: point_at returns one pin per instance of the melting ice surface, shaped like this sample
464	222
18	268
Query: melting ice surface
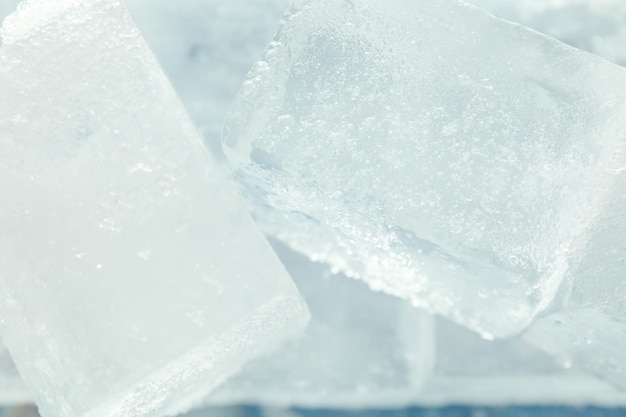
440	154
133	279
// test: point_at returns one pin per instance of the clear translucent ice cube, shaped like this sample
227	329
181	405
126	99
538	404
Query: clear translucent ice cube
589	332
132	279
471	370
361	349
442	155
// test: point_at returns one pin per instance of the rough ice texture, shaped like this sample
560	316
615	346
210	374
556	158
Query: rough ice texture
597	26
206	48
132	279
438	153
361	349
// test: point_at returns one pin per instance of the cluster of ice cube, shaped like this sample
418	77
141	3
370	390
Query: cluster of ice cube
441	189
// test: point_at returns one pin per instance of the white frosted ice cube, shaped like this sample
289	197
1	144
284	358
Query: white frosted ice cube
361	349
132	279
438	153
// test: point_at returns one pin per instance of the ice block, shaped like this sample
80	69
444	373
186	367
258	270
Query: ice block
438	153
132	279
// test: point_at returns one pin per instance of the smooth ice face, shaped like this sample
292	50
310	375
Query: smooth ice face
132	279
361	349
596	26
440	154
206	48
590	332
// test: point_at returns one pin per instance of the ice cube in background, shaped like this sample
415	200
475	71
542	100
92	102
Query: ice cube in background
132	279
12	389
590	332
361	349
206	48
470	370
598	26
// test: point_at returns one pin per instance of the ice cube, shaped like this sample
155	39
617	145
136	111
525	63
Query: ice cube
132	279
361	349
589	332
438	153
592	25
507	372
206	48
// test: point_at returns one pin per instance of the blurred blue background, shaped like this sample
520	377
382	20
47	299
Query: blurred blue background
457	411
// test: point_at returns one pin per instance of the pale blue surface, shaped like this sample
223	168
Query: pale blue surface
422	412
457	411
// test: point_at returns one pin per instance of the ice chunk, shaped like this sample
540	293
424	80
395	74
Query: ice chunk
361	349
590	331
438	153
592	25
132	279
206	48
